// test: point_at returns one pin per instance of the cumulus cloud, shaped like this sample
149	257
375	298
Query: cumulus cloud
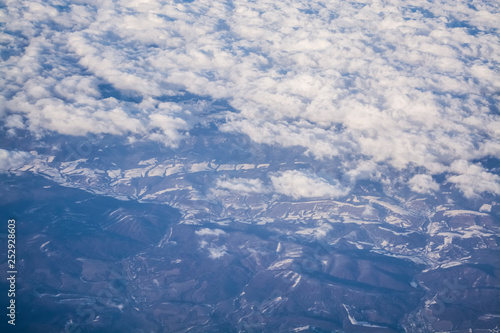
210	232
473	180
10	159
300	185
386	83
423	184
242	185
216	252
169	128
362	170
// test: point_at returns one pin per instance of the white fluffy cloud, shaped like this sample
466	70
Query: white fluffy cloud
292	183
423	184
473	180
299	185
210	232
12	159
384	83
243	185
216	252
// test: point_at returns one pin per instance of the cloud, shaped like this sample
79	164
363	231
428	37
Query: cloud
65	118
423	184
299	185
362	170
169	128
210	232
10	159
386	84
242	185
473	180
216	252
292	183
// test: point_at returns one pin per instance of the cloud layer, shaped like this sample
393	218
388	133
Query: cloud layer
403	84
